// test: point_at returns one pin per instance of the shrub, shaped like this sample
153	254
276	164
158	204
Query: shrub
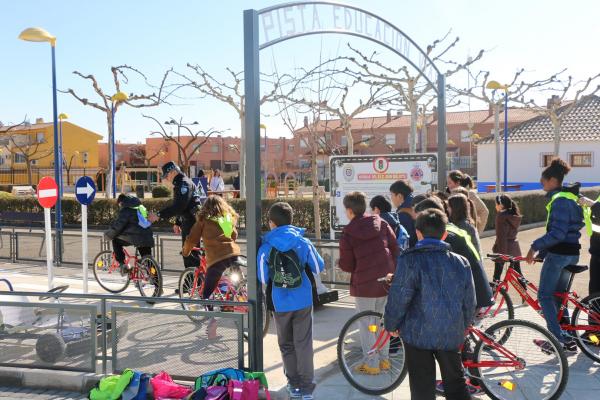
161	191
6	195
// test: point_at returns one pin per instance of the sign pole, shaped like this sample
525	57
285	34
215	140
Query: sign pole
84	246
49	260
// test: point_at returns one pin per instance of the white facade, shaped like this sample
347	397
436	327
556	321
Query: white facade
526	162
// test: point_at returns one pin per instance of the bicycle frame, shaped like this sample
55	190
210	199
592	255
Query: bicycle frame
134	274
513	278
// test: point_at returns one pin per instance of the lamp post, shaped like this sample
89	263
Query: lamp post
117	98
41	35
266	172
494	85
61	117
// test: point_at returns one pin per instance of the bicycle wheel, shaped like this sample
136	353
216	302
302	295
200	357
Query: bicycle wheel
188	289
353	353
588	340
502	310
107	273
542	372
148	278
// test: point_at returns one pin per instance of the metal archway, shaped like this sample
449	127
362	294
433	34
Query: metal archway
285	22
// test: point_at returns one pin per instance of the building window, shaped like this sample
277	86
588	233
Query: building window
328	137
390	139
465	136
214	148
277	148
215	164
291	147
344	141
366	138
40	138
546	159
303	143
19	158
304	163
580	159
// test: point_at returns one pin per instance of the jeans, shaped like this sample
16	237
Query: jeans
549	285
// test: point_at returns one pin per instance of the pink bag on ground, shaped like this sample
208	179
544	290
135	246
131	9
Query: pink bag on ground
164	388
246	390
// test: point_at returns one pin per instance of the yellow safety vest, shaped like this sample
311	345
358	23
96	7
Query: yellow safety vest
587	212
225	223
463	234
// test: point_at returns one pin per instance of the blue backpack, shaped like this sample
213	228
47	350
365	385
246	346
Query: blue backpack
402	237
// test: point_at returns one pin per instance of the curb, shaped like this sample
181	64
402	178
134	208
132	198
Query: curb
80	382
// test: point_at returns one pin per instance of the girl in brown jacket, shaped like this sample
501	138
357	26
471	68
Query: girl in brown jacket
508	221
215	225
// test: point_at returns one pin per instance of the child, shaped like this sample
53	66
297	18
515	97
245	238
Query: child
215	225
559	246
131	228
382	207
368	250
282	262
429	277
459	215
401	193
458	179
508	221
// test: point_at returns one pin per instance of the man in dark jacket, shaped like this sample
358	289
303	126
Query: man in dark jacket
402	196
430	304
131	228
186	202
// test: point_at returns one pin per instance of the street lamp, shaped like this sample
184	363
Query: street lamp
117	98
494	85
61	117
41	35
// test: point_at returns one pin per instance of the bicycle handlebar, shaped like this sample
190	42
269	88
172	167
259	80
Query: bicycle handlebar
506	258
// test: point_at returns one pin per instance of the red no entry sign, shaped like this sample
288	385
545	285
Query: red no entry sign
47	192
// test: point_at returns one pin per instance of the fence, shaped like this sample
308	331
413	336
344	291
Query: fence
19	176
102	333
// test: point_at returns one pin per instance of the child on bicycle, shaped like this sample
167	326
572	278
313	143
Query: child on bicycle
508	221
215	226
559	246
368	251
430	305
131	228
285	259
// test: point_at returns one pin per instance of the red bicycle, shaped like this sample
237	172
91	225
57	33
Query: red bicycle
144	273
231	287
584	325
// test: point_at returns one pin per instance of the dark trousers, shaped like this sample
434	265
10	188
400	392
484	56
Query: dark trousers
294	335
594	286
421	373
118	245
187	222
498	268
213	275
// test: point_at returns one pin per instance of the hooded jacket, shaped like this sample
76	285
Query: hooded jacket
368	250
285	238
406	219
127	225
507	228
431	300
218	245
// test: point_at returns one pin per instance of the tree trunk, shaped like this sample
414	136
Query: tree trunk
29	174
557	127
424	139
497	140
108	187
349	138
148	176
412	139
315	191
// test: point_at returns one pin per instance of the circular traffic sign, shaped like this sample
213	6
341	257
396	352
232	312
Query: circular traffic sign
85	190
47	192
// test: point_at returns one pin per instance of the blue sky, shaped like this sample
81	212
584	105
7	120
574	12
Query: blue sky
152	35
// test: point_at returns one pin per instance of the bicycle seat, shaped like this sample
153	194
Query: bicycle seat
575	269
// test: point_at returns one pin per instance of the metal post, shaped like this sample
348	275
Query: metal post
505	142
48	229
497	139
441	162
113	169
57	164
253	200
84	246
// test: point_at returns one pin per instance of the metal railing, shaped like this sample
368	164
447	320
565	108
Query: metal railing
101	333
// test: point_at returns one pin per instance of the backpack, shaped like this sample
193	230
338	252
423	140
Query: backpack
111	387
219	377
286	269
163	387
402	237
138	387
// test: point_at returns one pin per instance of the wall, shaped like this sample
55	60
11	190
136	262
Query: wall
525	165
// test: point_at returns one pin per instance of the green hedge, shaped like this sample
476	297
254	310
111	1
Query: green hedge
532	204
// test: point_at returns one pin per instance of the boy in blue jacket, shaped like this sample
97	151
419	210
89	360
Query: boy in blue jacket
430	305
283	261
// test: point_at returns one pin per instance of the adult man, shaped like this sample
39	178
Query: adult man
186	201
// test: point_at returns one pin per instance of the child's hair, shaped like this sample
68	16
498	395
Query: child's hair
461	178
472	209
557	169
121	198
380	202
431	202
431	223
443	196
508	204
419	198
216	206
401	187
281	213
357	202
459	208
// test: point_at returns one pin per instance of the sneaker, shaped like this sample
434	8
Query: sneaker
307	396
569	346
473	389
294	392
385	365
367	370
211	329
124	269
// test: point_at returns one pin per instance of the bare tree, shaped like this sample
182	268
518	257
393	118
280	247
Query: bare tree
140	153
109	104
187	148
69	165
25	145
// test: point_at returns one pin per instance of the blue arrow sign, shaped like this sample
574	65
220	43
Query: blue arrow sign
85	190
